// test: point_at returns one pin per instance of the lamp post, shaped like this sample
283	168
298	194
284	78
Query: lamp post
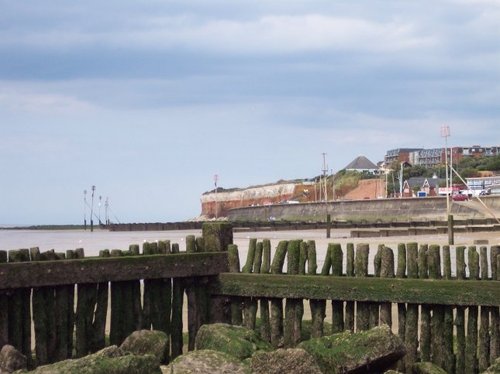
445	133
85	209
92	211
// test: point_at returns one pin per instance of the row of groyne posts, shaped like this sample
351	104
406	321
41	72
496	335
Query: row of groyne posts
442	301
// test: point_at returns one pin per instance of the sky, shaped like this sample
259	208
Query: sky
149	100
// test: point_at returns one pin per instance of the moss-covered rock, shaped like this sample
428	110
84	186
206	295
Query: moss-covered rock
290	361
11	359
107	361
236	341
427	368
205	361
374	350
147	342
495	368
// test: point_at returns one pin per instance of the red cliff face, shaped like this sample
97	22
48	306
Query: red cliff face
218	204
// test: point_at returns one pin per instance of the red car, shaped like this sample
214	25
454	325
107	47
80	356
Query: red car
460	197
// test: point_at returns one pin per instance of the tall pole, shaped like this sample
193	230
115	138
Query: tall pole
106	207
100	200
92	211
85	209
445	132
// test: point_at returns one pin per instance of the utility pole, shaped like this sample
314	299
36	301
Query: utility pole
106	207
92	211
325	171
445	133
85	210
99	217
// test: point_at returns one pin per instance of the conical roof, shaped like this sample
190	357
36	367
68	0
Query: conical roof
361	163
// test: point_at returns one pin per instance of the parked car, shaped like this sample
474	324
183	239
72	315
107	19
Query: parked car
460	197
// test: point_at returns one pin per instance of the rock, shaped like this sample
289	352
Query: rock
205	361
427	368
107	361
236	341
290	361
11	359
143	342
375	350
494	368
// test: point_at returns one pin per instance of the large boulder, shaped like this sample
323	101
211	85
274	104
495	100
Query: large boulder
206	361
236	341
11	359
108	361
143	342
290	361
375	350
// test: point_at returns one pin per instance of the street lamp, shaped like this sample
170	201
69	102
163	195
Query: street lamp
445	133
92	211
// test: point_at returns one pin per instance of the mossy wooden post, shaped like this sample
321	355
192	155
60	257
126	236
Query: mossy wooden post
265	322
349	305
495	315
337	305
361	270
193	304
440	348
386	271
374	307
147	295
484	329
317	306
425	316
292	322
84	315
117	305
134	250
401	273
234	267
460	315
101	311
249	304
177	305
411	327
40	312
4	309
70	255
277	304
471	346
328	226
217	236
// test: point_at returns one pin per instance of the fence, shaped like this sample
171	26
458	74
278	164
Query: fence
432	306
65	304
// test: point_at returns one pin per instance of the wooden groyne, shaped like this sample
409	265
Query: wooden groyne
446	312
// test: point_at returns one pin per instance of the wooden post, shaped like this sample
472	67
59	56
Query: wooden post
249	304
361	270
117	301
4	309
191	294
471	346
234	267
484	329
277	304
328	226
101	311
495	315
265	321
411	329
177	306
337	305
349	305
291	327
317	306
40	312
440	349
401	273
386	271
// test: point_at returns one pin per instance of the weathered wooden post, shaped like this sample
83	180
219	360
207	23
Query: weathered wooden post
317	306
460	315
337	305
495	315
177	306
361	270
277	304
4	309
349	305
249	304
471	362
411	329
401	273
265	321
291	328
217	236
386	271
234	267
484	329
